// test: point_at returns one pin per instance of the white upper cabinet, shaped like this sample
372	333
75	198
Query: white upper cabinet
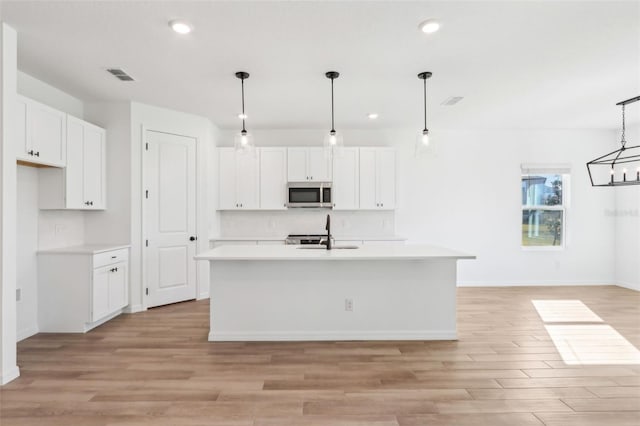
346	179
309	164
39	133
273	178
377	178
238	180
82	184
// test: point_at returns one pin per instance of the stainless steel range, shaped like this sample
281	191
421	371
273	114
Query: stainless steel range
305	239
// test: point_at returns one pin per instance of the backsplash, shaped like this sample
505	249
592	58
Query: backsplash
306	221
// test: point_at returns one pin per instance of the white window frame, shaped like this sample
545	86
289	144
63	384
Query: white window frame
549	169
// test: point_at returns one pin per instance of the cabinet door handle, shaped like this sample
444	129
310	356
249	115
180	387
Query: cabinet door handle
30	152
37	154
193	238
86	203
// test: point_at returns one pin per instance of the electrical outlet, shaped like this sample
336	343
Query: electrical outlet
348	305
18	294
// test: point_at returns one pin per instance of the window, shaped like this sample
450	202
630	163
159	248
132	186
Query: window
544	201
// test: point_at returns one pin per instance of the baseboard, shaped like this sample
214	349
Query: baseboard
529	283
26	333
10	375
132	309
310	336
630	286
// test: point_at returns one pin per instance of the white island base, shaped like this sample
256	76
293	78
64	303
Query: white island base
261	293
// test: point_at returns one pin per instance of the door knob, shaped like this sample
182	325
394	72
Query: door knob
192	238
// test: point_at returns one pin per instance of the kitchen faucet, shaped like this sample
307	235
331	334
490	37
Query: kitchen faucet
328	228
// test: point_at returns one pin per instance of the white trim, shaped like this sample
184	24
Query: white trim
132	309
331	335
10	375
533	283
630	286
203	295
26	333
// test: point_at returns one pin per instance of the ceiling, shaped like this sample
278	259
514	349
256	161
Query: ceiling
518	64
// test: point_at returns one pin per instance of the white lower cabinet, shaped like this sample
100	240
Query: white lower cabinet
80	288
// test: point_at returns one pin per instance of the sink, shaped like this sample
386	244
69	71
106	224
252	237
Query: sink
332	248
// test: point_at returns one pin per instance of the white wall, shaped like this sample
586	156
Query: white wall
45	93
40	229
27	245
8	68
627	224
466	195
113	226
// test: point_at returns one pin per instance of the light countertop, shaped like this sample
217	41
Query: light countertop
400	252
85	249
335	237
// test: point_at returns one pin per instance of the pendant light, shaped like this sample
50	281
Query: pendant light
422	140
620	167
243	139
333	140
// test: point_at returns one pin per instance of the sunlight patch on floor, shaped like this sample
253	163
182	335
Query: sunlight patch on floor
564	311
581	338
592	344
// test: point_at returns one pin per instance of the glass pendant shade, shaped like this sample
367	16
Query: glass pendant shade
243	142
423	142
333	141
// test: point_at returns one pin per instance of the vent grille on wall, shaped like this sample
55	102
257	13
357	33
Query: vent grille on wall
120	74
452	100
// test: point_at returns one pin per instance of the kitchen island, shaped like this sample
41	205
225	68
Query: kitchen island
281	293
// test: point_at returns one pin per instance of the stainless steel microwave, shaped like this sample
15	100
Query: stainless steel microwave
309	194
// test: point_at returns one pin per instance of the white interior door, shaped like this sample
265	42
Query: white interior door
170	218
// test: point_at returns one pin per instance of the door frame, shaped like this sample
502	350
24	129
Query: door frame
143	214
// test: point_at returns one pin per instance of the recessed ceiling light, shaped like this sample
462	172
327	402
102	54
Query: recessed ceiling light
429	26
180	26
372	116
242	116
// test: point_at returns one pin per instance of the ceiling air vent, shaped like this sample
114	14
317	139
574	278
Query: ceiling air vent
120	74
452	100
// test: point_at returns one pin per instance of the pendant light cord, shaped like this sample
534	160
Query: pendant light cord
333	127
623	141
243	115
425	105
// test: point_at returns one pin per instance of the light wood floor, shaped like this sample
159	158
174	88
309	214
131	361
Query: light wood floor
157	368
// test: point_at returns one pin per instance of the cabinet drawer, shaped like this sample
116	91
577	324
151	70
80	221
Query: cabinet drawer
110	257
